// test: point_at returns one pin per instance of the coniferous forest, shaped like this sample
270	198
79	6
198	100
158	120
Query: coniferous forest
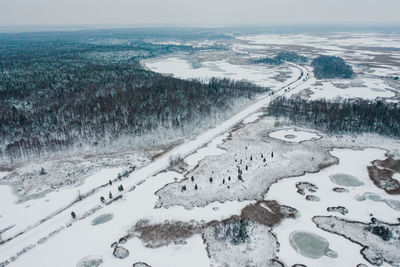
89	88
341	116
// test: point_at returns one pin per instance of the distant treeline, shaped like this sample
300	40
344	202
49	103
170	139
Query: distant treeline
282	57
346	116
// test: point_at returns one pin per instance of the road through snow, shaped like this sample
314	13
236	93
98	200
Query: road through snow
32	236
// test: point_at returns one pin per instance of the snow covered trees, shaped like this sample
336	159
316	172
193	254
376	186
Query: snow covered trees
281	57
56	94
347	116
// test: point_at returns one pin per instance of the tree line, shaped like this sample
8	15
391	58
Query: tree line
340	116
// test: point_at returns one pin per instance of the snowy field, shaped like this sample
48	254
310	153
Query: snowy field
360	87
259	74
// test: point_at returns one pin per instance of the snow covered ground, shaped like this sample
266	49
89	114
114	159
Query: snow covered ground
365	88
259	74
23	214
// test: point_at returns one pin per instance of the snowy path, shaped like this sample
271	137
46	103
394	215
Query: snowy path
62	219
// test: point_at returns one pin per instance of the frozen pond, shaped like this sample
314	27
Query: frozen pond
102	219
294	135
345	180
394	204
311	245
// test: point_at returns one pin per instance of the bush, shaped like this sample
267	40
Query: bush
42	171
236	231
381	231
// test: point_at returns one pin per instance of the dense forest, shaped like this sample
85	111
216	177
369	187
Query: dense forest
345	116
281	57
64	90
330	67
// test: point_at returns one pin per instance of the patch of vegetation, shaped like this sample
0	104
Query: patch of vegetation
382	172
235	230
381	231
281	57
269	61
162	234
331	67
291	57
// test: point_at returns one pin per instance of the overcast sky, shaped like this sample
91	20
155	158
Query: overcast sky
198	12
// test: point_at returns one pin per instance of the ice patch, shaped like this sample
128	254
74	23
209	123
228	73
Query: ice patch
310	245
102	219
293	135
343	179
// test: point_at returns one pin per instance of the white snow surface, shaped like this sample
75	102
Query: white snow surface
253	117
259	74
396	176
26	213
